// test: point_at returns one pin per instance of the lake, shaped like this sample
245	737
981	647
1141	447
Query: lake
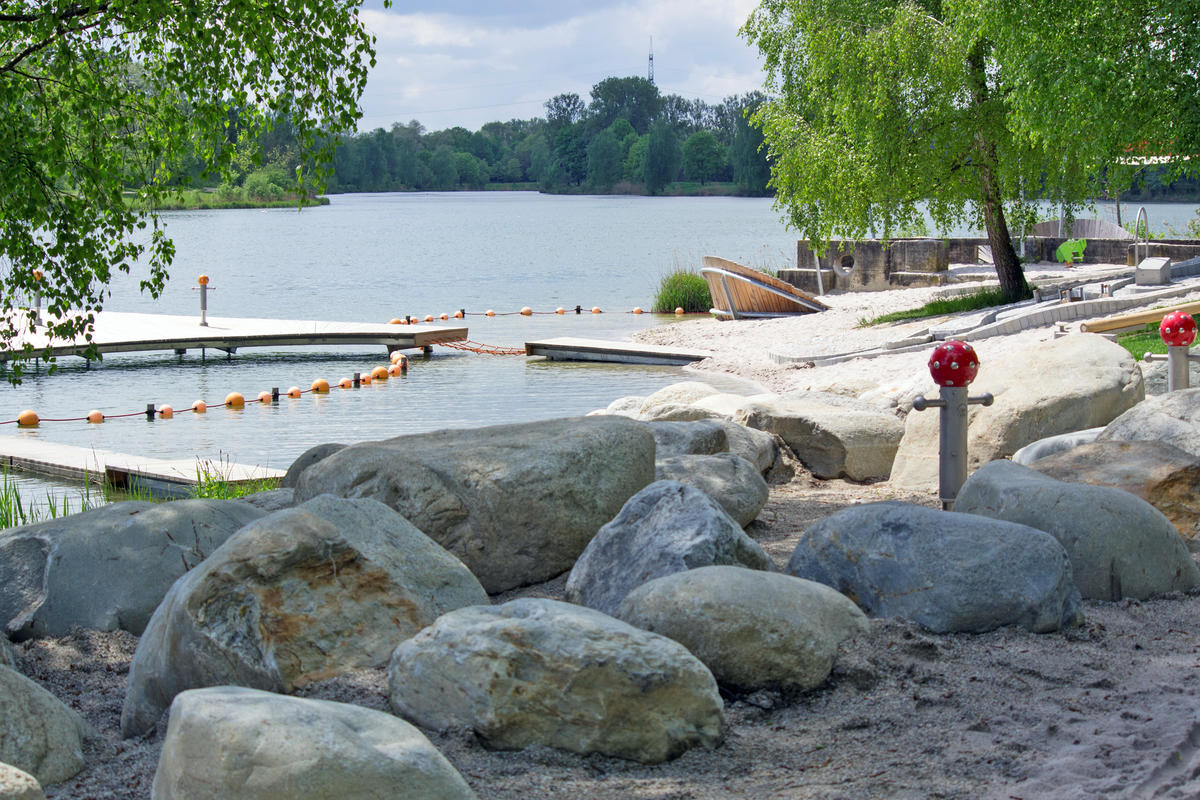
375	257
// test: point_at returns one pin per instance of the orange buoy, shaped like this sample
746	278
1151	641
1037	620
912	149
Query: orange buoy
489	313
679	311
595	309
637	309
95	416
364	380
345	383
396	357
429	317
526	312
396	321
235	400
264	397
379	374
395	370
294	391
320	386
166	412
458	314
199	406
27	419
202	280
444	316
560	310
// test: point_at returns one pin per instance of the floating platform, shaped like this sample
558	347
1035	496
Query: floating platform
122	332
572	349
157	477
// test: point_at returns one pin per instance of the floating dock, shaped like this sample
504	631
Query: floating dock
571	349
157	477
122	332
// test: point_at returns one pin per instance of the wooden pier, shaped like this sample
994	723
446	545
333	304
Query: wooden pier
121	332
155	476
572	349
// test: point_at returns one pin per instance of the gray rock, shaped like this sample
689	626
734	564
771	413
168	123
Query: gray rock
8	658
39	734
302	595
108	568
1172	418
1051	445
730	480
1154	374
1119	545
752	630
271	501
229	743
1164	476
516	503
677	394
702	437
667	527
832	435
309	457
540	672
758	447
948	571
1064	385
628	406
676	412
16	784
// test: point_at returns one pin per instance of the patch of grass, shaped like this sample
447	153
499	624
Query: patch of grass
1147	340
214	484
15	510
682	289
982	298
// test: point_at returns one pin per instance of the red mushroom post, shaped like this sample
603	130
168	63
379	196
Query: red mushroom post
953	365
1178	330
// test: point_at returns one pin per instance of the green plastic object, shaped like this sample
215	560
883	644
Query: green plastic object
1070	251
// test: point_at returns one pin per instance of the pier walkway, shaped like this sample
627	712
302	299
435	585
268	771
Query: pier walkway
123	332
155	476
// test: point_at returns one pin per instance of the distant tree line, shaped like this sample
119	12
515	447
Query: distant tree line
629	137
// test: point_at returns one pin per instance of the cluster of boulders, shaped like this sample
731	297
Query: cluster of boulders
383	554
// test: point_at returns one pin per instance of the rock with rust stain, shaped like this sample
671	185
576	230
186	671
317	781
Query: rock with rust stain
301	595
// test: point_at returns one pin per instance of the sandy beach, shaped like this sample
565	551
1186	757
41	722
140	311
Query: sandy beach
1110	709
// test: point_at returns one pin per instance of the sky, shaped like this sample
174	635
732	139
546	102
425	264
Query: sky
470	62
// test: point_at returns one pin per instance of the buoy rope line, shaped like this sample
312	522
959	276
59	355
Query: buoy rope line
399	367
466	345
524	312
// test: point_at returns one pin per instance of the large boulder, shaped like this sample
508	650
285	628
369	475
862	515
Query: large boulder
17	784
39	734
107	568
1063	385
758	447
230	743
730	480
1119	545
665	528
301	595
1052	445
948	571
516	503
1164	476
540	672
1172	418
701	437
752	630
675	395
306	459
832	435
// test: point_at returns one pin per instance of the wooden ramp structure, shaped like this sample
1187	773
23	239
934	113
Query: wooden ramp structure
739	292
565	348
122	332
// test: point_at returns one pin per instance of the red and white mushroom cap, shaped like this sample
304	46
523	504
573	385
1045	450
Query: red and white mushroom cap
1178	328
953	363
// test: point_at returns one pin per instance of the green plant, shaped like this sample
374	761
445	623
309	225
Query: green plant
15	510
214	483
982	298
682	289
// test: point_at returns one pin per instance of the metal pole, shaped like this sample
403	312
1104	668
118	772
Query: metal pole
952	444
204	304
1177	367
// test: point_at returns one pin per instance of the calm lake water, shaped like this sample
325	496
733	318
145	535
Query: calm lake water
375	257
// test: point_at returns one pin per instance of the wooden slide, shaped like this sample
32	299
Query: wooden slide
740	292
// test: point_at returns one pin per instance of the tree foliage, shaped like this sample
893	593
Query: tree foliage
96	98
971	105
662	157
703	156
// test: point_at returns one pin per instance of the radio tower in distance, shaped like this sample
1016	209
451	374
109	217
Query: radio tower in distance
650	68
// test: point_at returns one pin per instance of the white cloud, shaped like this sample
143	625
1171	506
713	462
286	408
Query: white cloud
472	67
